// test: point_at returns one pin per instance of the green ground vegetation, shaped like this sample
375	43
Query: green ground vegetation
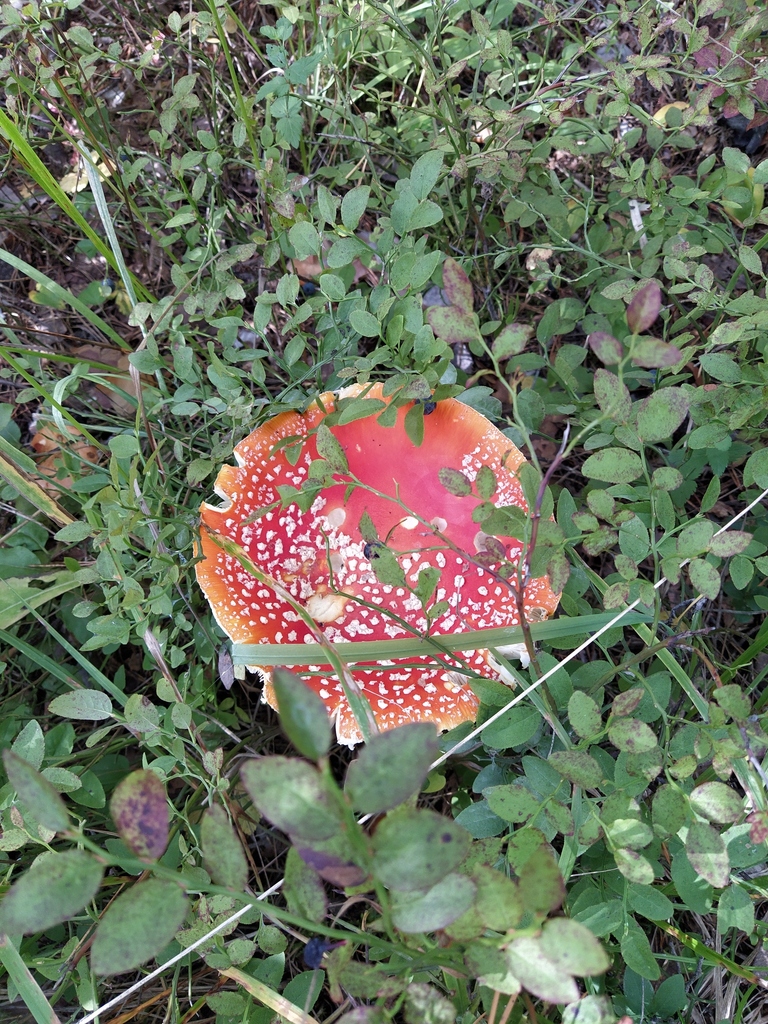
213	212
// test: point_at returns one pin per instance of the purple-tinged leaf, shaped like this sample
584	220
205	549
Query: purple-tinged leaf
655	354
644	307
717	802
457	287
453	325
139	809
607	348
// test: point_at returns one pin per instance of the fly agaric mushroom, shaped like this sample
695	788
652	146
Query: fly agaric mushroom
323	560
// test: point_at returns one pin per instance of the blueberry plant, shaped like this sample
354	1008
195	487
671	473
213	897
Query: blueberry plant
554	213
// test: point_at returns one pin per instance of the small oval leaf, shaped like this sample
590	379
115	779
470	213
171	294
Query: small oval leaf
139	809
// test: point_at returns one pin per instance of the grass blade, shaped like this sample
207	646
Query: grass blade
29	990
371	650
34	493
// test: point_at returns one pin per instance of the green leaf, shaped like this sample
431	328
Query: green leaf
293	795
515	727
644	307
304	239
511	340
139	809
371	784
612	396
302	68
670	998
454	482
735	910
633	865
415	849
649	902
434	909
636	951
74	533
631	735
741	570
426	214
695	538
490	966
141	715
345	251
302	713
304	891
328	448
573	948
354	205
541	884
538	973
725	545
30	744
137	925
721	367
36	793
584	715
659	415
56	887
480	821
613	465
82	705
422	270
578	767
425	172
666	478
91	792
706	852
750	260
705	578
717	802
512	802
560	317
365	323
694	891
670	810
332	287
414	424
124	446
223	852
498	902
756	469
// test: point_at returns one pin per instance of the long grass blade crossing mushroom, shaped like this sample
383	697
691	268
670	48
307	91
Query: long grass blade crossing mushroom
385	550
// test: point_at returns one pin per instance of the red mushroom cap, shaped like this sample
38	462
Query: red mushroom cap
321	558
